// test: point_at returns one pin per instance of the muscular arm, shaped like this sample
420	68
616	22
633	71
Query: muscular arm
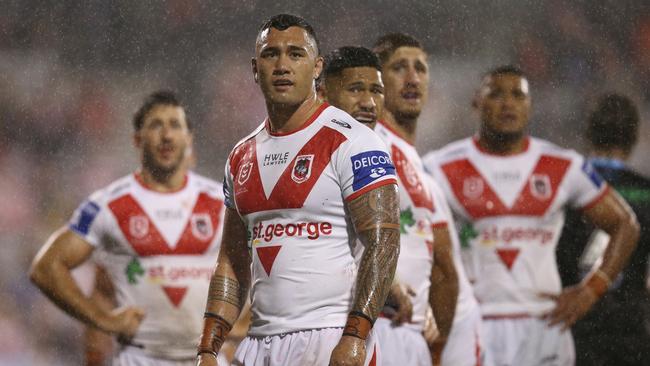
375	216
50	271
98	344
443	293
228	287
613	215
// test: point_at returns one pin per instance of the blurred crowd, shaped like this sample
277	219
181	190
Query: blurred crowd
72	73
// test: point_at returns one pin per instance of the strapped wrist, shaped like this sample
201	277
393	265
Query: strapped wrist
215	330
358	325
598	282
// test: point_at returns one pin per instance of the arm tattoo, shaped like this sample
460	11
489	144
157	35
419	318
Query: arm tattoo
227	290
375	216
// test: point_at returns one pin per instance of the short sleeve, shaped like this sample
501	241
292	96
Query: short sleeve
441	215
363	164
86	222
586	187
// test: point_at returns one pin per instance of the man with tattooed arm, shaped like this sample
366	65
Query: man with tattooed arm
300	190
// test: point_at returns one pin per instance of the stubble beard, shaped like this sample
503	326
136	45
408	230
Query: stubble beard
159	172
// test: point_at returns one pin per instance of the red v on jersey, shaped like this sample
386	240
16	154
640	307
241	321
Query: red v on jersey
175	294
287	192
479	200
508	256
267	256
140	231
410	180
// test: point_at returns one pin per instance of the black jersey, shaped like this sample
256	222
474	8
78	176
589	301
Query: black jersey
614	332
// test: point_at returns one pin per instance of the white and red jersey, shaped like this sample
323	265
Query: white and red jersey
160	250
422	206
466	303
511	210
290	190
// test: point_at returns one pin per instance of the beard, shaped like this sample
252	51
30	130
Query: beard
503	138
157	170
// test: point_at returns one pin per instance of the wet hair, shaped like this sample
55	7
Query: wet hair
347	57
505	70
386	45
284	21
613	123
160	97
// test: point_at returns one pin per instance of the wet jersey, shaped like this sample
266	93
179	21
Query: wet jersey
290	191
418	213
160	250
510	210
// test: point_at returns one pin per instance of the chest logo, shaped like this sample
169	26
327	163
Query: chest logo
244	172
540	186
139	226
202	226
473	187
302	168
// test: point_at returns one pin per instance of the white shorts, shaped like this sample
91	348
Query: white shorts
402	345
134	356
528	341
466	342
309	347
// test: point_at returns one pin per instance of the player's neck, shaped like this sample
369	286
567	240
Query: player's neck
405	128
163	183
285	119
502	144
613	153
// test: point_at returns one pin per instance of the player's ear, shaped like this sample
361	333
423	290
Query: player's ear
318	68
254	67
137	139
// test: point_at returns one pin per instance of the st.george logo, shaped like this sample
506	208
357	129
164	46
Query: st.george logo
244	172
473	187
139	226
201	226
540	186
302	168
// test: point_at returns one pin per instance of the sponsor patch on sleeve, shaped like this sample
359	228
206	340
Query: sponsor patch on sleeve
592	174
226	194
85	215
370	166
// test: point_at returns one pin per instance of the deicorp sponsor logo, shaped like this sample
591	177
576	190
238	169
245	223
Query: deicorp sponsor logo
369	166
309	230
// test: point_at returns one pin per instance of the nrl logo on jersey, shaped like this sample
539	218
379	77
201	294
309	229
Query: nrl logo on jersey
540	186
202	226
244	172
302	168
139	226
473	187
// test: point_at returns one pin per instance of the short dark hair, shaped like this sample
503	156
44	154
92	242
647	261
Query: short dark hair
349	56
160	97
505	70
284	21
386	45
613	123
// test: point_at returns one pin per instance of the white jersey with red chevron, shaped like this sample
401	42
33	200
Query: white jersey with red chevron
290	191
160	250
418	212
510	210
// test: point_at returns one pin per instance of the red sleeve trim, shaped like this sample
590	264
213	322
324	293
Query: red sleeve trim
439	225
598	198
370	188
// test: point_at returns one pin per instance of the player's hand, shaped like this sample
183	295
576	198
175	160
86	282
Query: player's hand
571	305
351	351
124	322
206	359
401	297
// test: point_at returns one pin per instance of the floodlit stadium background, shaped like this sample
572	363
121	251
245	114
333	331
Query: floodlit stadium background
72	73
